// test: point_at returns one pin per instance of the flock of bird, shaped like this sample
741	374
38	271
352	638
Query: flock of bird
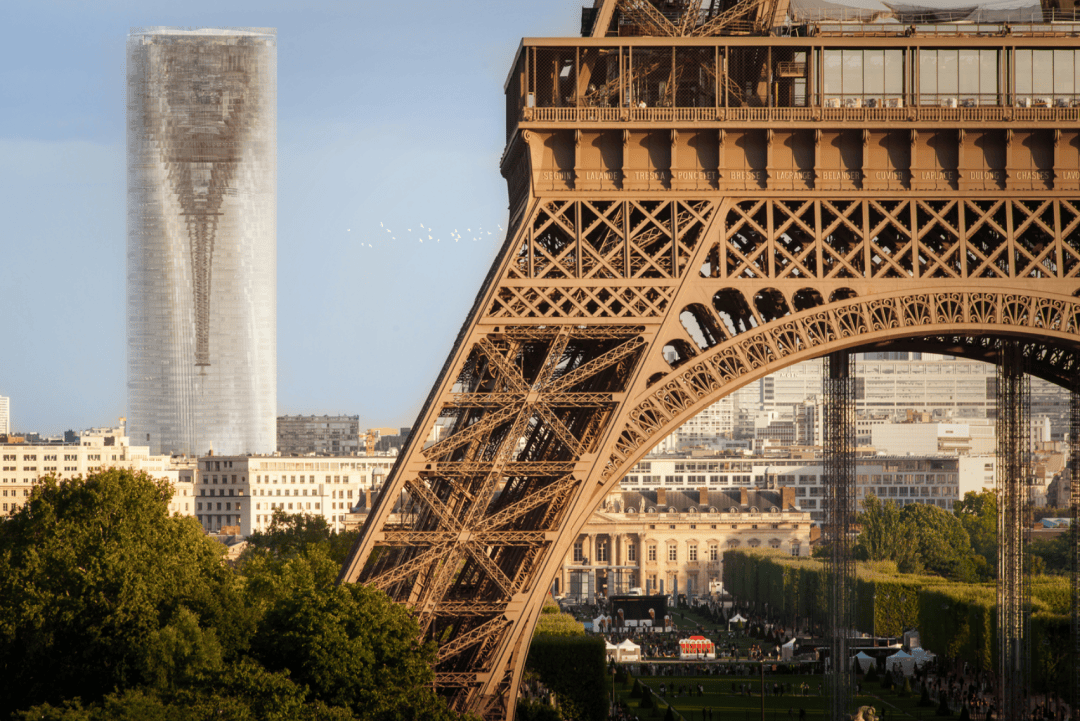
426	233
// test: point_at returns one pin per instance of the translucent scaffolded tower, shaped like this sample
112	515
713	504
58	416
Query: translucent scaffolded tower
202	239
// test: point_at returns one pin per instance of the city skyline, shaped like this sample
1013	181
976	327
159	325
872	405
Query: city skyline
362	199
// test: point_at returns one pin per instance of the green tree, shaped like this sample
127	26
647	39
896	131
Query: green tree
978	515
939	539
884	535
292	533
1051	553
100	589
349	644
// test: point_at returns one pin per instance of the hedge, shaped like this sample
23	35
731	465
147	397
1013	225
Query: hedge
955	620
574	667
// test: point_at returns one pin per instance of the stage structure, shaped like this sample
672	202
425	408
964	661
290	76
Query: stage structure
695	203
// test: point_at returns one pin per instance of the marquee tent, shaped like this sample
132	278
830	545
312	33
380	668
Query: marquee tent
905	660
865	661
787	651
696	647
611	651
629	651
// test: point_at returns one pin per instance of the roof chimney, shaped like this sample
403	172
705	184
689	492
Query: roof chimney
787	498
703	496
744	496
661	496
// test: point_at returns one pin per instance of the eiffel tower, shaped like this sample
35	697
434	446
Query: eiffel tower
700	195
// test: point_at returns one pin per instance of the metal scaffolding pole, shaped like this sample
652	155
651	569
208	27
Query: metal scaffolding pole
1074	532
1013	478
838	386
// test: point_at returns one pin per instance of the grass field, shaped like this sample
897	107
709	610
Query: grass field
727	706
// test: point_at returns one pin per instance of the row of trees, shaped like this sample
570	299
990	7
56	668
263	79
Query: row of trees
961	546
955	620
112	609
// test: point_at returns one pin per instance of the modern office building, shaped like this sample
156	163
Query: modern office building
202	267
930	479
323	435
5	415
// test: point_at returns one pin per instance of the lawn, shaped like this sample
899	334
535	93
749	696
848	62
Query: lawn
728	706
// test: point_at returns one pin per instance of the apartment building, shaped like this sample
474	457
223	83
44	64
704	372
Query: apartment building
239	494
23	465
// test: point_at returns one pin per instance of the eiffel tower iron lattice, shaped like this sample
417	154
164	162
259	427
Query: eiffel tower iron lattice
691	212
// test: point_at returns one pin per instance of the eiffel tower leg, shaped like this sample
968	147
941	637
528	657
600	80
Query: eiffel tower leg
1013	476
839	467
1074	552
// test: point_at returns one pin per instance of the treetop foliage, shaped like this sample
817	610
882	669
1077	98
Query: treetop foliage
112	609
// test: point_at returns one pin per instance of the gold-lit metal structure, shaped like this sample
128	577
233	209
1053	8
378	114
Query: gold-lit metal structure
696	203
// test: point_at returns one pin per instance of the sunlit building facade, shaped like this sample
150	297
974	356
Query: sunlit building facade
202	239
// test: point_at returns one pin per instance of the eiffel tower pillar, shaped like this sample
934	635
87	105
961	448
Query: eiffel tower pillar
1013	478
1074	551
838	385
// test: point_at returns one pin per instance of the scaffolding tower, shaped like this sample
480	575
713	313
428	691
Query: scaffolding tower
838	389
1014	520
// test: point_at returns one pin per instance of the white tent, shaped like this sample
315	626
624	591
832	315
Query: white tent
629	651
864	661
905	660
922	656
787	651
601	623
735	619
611	650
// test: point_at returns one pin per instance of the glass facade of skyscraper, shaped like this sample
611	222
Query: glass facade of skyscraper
202	239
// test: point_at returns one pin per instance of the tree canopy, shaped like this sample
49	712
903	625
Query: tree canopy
919	537
112	609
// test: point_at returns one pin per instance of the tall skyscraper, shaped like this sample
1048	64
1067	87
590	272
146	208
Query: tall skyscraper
202	239
5	414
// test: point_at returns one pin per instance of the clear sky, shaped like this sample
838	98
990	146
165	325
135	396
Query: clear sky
390	115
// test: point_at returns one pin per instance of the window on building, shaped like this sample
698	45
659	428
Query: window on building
602	551
692	552
714	552
672	552
652	552
579	552
631	552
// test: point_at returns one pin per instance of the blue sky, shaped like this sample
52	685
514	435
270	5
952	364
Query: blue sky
390	115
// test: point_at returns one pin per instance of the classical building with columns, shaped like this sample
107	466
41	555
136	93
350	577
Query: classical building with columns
669	541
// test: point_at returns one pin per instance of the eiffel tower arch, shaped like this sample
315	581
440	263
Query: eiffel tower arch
695	205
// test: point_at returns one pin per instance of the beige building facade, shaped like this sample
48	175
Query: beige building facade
22	466
672	542
239	494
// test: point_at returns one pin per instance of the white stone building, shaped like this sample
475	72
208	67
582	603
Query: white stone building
23	465
239	494
673	541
